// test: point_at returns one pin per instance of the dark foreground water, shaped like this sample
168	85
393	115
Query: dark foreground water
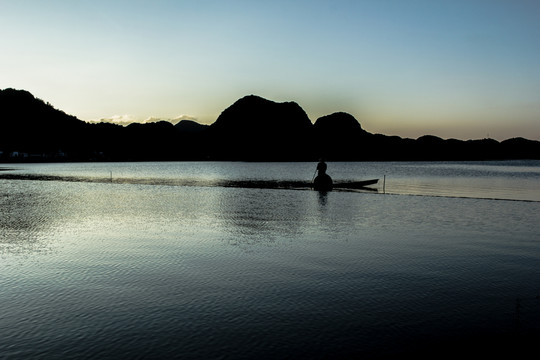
141	266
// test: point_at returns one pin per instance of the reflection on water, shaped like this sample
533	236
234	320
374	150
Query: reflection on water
323	198
126	270
260	214
27	212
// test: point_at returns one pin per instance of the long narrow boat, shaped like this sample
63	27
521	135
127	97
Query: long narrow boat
324	182
298	185
262	184
355	184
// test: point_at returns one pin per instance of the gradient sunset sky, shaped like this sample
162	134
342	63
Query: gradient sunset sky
465	69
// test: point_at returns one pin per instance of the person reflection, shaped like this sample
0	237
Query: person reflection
323	199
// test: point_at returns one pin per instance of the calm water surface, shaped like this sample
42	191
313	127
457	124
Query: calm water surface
138	266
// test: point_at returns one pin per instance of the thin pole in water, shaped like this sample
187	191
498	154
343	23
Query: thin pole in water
384	185
111	174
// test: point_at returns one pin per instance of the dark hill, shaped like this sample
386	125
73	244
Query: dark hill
190	127
37	131
520	148
254	128
338	124
151	141
339	135
252	114
28	123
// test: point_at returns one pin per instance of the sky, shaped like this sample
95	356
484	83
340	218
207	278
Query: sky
465	69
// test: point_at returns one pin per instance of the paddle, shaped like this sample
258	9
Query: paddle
313	178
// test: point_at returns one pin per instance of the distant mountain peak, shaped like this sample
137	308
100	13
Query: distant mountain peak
253	112
339	122
10	92
190	126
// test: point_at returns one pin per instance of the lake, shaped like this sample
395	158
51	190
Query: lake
165	260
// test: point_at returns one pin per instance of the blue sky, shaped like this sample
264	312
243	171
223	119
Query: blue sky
462	69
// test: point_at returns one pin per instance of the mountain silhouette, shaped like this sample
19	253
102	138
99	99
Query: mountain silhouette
251	129
190	127
253	114
31	124
339	135
254	128
339	124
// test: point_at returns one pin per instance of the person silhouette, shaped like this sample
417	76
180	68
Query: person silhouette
323	181
321	167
